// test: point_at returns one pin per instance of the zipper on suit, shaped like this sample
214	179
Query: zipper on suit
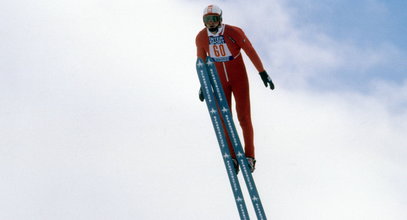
226	72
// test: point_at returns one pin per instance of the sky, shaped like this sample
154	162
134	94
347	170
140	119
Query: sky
100	117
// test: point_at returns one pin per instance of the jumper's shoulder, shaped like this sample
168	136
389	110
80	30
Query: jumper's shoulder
202	33
234	29
234	32
201	36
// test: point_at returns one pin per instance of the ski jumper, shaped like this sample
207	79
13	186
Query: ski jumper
224	47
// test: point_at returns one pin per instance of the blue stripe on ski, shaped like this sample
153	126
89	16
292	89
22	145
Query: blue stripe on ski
237	146
207	90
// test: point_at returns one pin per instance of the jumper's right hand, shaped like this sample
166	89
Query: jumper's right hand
201	96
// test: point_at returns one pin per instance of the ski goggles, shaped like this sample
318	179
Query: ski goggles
213	18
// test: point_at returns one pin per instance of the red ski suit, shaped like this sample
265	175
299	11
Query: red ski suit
224	47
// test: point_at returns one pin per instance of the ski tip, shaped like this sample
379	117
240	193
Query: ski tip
209	59
199	63
199	60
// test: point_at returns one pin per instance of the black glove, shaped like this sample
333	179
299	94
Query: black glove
201	96
266	79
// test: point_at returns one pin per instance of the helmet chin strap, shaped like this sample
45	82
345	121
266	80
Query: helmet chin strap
214	29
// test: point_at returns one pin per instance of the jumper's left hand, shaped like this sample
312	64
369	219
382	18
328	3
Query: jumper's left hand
266	79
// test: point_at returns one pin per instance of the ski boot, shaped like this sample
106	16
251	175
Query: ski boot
236	165
252	163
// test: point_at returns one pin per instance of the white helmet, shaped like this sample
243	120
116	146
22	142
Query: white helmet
213	10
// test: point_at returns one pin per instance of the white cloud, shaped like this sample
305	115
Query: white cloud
299	52
338	154
100	120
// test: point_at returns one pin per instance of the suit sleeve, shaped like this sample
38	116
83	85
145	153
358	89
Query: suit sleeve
200	51
246	45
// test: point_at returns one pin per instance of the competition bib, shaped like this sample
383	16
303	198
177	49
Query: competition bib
218	49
